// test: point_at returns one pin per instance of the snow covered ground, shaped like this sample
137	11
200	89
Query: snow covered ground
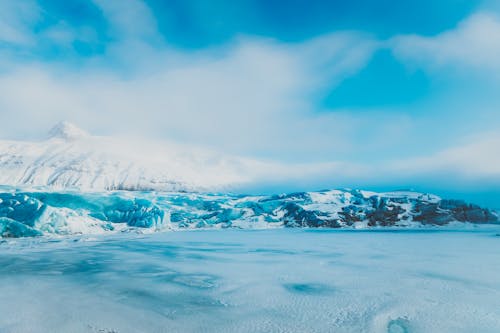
281	280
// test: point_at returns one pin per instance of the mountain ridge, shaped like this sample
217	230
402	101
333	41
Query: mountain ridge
69	157
38	212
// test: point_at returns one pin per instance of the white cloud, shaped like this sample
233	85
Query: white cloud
475	158
129	19
63	35
474	43
254	96
251	96
16	21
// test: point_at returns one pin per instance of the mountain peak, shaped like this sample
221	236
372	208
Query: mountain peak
67	131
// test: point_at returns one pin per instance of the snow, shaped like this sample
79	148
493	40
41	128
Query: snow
26	213
71	158
67	131
254	281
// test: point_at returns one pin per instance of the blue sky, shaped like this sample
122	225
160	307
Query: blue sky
380	94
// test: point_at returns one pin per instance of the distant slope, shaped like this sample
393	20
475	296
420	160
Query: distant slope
70	158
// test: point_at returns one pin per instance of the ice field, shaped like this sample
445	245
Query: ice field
281	280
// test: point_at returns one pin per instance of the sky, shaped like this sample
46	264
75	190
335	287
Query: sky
381	95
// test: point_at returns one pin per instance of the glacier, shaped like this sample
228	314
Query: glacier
37	212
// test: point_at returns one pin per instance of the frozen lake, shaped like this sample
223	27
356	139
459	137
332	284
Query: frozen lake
254	281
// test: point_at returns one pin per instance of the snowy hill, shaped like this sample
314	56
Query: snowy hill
43	183
44	213
71	158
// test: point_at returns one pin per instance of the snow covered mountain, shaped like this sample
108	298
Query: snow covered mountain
36	213
71	158
75	183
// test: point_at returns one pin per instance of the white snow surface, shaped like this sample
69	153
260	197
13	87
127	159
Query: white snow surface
294	281
71	158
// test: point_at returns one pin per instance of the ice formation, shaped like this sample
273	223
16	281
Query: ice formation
33	213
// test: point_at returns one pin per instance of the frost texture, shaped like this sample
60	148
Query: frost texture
25	214
240	281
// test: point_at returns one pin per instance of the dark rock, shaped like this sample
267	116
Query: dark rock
296	216
384	215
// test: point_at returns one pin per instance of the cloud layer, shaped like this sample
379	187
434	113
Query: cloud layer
258	96
475	43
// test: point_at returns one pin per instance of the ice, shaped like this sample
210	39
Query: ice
41	212
12	228
36	213
284	280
